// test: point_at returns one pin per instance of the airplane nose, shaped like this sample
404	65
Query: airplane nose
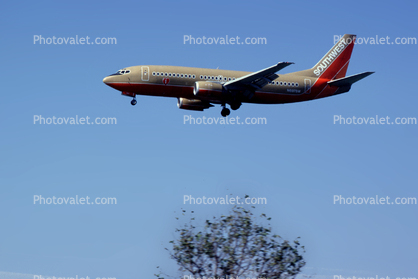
106	80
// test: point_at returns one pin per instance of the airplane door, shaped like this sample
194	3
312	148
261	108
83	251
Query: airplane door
307	86
145	73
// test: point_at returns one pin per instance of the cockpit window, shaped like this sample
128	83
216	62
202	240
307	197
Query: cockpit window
124	72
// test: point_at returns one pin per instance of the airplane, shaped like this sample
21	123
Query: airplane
199	88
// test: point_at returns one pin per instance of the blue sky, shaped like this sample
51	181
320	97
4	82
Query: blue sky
150	159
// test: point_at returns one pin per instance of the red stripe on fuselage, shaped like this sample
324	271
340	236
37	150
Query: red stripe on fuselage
260	97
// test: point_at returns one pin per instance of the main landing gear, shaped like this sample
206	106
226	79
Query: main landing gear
225	111
133	102
234	106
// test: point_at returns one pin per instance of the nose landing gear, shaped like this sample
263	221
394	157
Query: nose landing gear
133	102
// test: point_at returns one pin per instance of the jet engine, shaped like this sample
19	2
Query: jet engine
209	91
193	104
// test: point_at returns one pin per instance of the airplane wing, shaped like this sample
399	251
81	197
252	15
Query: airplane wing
258	79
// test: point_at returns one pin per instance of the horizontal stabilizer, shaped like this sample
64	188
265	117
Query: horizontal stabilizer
348	81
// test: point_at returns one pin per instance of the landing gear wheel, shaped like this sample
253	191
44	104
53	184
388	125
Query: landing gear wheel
235	106
225	112
133	102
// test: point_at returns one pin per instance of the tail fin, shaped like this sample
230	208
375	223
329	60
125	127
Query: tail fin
335	63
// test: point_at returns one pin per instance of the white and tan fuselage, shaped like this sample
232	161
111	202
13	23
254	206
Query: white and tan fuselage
199	88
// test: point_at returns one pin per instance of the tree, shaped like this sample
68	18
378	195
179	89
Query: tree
234	246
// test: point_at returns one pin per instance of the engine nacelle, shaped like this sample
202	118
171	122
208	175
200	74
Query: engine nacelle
206	90
193	104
